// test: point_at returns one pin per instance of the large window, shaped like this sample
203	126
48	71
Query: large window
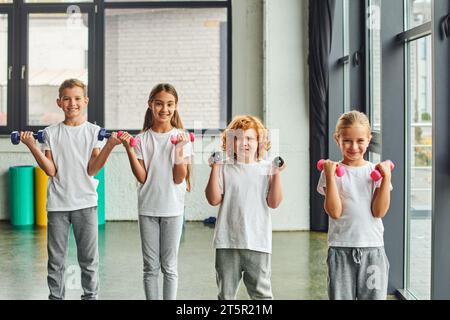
419	160
374	79
346	47
4	69
120	50
184	47
419	177
48	41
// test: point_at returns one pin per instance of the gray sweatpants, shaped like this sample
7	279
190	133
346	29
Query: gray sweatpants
357	273
85	230
253	266
160	237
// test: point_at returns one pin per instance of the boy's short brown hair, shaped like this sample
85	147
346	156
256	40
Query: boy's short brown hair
70	83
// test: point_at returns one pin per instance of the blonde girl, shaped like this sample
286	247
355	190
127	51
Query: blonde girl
357	264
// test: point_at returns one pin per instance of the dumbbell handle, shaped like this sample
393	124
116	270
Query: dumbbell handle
174	138
104	134
376	174
340	171
133	141
278	162
15	137
217	156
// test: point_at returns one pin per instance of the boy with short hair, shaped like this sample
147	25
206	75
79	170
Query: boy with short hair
71	156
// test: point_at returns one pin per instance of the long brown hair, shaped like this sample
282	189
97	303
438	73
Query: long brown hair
175	121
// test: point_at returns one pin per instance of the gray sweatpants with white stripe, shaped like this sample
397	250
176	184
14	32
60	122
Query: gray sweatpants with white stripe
357	273
85	231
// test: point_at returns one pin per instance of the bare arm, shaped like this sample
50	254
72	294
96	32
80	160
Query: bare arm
212	191
98	158
382	196
137	165
45	161
180	168
275	194
332	204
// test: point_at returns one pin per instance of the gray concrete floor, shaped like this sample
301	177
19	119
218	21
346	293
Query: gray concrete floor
298	264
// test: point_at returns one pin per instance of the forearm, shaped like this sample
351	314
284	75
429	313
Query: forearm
381	203
212	191
138	170
180	168
44	163
333	204
179	173
275	195
98	162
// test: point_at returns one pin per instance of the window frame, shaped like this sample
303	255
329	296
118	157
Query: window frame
8	10
18	53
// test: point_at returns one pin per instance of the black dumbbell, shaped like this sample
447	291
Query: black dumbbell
39	136
218	156
278	162
103	134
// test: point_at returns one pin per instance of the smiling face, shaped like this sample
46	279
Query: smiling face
163	107
353	142
73	101
246	146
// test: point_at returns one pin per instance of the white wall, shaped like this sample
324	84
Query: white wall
285	100
286	103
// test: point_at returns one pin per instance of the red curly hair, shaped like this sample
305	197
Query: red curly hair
245	122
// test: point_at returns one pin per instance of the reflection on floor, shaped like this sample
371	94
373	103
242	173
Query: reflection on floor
298	264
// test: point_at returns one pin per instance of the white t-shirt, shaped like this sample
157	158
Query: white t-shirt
243	221
72	188
356	227
159	196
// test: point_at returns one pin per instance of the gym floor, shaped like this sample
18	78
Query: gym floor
298	264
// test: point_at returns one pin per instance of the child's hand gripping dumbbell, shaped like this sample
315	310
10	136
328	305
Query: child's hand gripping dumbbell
217	157
278	165
103	134
340	171
16	135
175	139
376	174
278	162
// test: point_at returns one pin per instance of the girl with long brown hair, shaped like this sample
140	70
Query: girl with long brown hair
163	171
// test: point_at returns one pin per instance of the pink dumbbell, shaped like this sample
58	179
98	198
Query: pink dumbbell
340	171
376	175
133	141
174	138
